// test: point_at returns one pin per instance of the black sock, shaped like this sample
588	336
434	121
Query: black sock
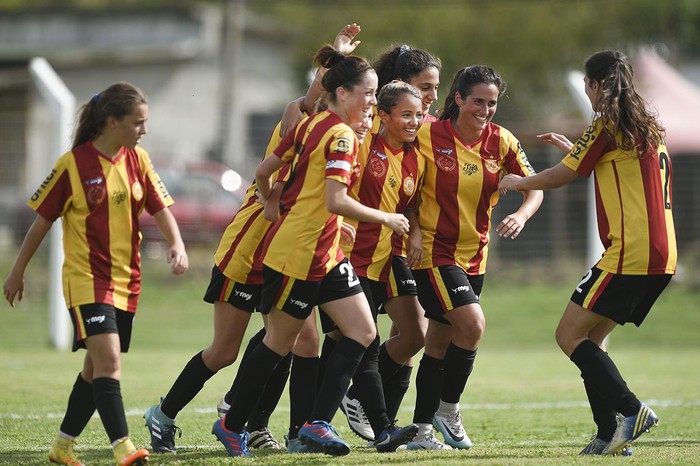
326	350
81	407
603	413
368	389
600	371
108	400
260	365
271	396
392	382
186	386
340	368
396	389
459	363
302	392
252	343
428	389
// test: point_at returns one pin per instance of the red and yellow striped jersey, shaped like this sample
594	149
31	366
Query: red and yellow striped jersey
304	242
388	181
633	203
239	254
460	190
100	200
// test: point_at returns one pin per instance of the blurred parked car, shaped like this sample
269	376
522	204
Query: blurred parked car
207	194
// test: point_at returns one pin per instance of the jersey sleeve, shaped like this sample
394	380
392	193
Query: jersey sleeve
515	160
52	198
589	149
341	157
157	195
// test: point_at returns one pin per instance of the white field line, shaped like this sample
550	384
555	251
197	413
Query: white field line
463	406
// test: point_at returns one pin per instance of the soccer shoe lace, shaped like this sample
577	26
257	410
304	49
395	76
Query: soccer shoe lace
126	454
263	439
162	430
629	428
393	437
357	420
451	428
62	452
236	444
222	407
427	442
320	436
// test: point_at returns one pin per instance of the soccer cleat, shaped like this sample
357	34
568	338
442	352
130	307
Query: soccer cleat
357	420
596	447
320	436
393	437
294	445
236	444
126	454
222	407
263	439
630	428
162	430
62	452
451	428
426	440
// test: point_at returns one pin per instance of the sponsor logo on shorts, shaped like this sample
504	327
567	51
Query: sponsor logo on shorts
408	282
95	320
243	294
459	289
299	304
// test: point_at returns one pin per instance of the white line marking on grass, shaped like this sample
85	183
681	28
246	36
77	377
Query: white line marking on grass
470	406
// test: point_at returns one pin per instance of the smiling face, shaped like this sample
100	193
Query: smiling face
362	128
427	82
476	110
128	130
401	124
357	102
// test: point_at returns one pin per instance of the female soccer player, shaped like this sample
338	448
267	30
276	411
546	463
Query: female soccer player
314	271
467	155
99	188
624	147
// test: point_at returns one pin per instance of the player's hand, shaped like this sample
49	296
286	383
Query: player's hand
511	226
344	40
557	140
398	223
414	248
509	182
177	258
347	234
13	288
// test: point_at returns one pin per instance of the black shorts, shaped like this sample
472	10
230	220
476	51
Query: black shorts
401	282
297	297
221	288
376	294
98	318
444	288
622	298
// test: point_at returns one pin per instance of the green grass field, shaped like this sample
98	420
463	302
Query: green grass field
524	403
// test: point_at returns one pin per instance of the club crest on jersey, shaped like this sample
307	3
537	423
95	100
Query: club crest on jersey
409	185
341	145
95	190
137	191
445	162
492	166
377	167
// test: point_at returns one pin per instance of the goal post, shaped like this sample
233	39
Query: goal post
62	103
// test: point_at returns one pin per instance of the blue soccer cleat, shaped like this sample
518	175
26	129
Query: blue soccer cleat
393	437
236	443
320	436
630	428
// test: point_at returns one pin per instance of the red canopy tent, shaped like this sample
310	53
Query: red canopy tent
675	98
